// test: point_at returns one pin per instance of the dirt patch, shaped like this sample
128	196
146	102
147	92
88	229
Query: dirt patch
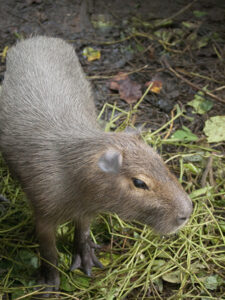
128	44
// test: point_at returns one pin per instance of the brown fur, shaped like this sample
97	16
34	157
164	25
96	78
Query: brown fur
51	140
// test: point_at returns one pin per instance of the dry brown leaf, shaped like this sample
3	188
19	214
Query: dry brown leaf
129	90
156	86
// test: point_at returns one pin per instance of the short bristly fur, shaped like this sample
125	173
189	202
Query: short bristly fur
68	167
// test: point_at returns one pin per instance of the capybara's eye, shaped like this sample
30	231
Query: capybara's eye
140	184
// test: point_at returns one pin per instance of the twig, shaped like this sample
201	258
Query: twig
111	76
104	42
124	243
164	60
181	11
211	179
208	170
191	74
171	125
219	88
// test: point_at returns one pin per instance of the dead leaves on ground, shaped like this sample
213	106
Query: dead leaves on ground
156	85
129	90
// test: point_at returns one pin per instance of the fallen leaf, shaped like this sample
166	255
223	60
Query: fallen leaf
103	22
129	90
191	168
66	285
158	283
196	267
184	135
158	263
91	54
164	83
200	192
172	277
197	157
200	103
215	129
212	282
156	86
114	85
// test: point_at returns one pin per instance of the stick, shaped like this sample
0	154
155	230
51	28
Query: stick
165	61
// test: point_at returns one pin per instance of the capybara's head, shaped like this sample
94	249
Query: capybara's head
129	178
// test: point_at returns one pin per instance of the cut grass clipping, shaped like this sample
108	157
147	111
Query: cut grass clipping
138	263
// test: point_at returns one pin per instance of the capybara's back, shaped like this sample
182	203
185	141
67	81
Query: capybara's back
45	89
45	98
